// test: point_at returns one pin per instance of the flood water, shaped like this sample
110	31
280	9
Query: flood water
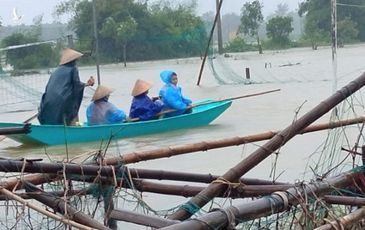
303	76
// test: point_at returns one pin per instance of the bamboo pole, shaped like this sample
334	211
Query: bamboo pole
277	202
344	200
345	221
209	40
135	157
192	177
189	191
17	182
42	167
60	206
15	130
209	102
140	219
57	193
268	148
24	129
43	211
141	185
93	170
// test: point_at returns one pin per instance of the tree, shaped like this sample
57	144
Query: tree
153	31
355	14
347	31
251	18
317	21
282	9
238	44
122	31
31	57
278	30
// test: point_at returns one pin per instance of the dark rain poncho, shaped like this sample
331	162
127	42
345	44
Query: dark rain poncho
144	108
61	101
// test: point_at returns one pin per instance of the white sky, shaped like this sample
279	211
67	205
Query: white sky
29	9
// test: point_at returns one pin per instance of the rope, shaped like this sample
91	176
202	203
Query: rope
190	207
222	180
284	197
231	218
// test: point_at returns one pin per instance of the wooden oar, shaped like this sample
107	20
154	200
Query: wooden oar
209	102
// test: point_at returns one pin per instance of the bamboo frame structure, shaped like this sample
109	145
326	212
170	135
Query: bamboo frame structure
267	149
268	205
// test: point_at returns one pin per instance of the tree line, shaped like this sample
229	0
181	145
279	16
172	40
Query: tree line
317	25
136	31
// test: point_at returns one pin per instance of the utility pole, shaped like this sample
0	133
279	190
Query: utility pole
219	29
334	44
96	42
208	43
334	51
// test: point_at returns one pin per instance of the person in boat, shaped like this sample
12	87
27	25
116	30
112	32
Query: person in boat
143	107
101	111
62	98
171	95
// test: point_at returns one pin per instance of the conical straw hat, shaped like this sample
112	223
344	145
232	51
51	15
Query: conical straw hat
101	91
140	87
68	55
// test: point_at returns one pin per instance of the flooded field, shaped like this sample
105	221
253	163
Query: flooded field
303	76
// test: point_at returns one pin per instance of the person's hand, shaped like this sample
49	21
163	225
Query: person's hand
91	81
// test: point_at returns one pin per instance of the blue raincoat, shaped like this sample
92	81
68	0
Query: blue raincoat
103	112
171	95
144	108
61	101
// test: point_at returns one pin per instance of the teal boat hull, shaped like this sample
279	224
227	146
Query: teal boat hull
60	134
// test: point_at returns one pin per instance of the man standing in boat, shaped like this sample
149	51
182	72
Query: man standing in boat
61	101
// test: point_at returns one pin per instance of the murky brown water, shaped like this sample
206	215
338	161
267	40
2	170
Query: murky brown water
304	77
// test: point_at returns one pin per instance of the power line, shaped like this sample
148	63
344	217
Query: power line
351	5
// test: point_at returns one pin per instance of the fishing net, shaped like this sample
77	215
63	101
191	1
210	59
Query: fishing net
21	92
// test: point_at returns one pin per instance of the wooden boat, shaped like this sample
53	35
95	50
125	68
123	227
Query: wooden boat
60	134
